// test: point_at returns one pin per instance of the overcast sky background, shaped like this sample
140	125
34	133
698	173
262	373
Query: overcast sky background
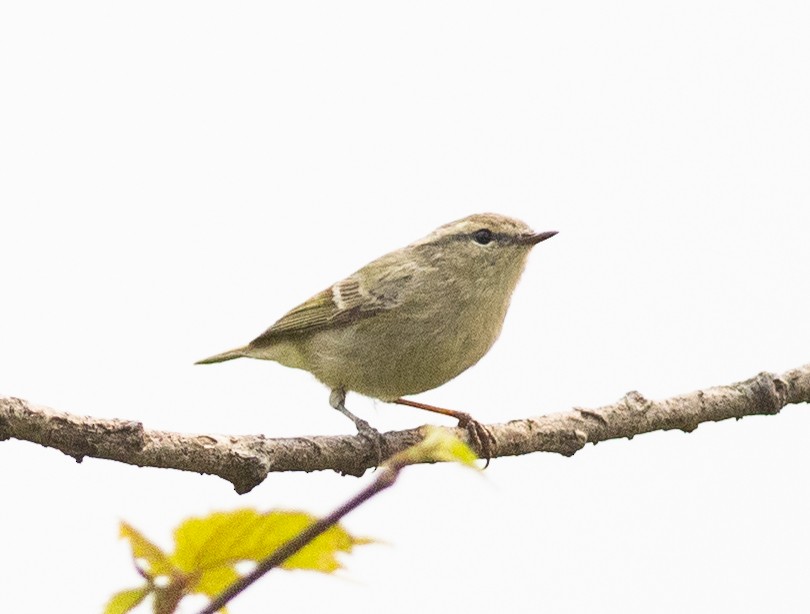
174	176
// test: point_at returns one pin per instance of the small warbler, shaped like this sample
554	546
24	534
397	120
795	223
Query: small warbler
408	321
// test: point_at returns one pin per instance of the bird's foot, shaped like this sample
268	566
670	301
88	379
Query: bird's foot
480	436
373	437
337	399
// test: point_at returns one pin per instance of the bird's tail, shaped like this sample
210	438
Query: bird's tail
229	355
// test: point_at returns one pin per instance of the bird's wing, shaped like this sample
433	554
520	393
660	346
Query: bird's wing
345	302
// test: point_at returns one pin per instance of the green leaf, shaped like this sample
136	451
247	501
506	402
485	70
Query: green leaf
212	541
207	550
142	549
224	538
320	554
123	602
213	581
438	445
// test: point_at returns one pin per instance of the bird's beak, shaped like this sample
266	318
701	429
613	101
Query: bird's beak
537	237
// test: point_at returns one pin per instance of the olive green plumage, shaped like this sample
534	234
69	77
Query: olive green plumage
408	321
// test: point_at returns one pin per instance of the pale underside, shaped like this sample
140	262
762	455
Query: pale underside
393	342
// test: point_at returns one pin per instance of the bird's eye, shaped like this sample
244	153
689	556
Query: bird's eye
482	236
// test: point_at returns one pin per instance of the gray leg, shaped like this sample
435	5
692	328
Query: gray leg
337	399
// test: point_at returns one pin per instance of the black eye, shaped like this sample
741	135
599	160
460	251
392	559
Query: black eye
482	236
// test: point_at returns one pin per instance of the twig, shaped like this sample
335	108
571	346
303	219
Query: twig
245	461
385	478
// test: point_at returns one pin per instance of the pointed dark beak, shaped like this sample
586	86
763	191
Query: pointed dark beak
536	238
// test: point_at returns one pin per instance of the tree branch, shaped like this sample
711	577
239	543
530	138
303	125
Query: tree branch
245	461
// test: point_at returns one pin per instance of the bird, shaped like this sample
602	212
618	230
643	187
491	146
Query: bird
408	321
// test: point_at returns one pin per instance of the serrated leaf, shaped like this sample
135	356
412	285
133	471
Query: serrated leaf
224	538
320	554
207	550
123	602
143	549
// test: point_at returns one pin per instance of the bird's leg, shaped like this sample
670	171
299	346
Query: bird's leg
480	436
337	399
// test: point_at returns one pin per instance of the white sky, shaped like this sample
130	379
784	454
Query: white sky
176	175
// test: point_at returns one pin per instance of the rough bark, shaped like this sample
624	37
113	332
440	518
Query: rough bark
245	461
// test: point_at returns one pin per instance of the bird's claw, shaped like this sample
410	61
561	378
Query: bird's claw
481	438
374	437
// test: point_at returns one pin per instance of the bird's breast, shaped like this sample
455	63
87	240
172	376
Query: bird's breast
407	350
